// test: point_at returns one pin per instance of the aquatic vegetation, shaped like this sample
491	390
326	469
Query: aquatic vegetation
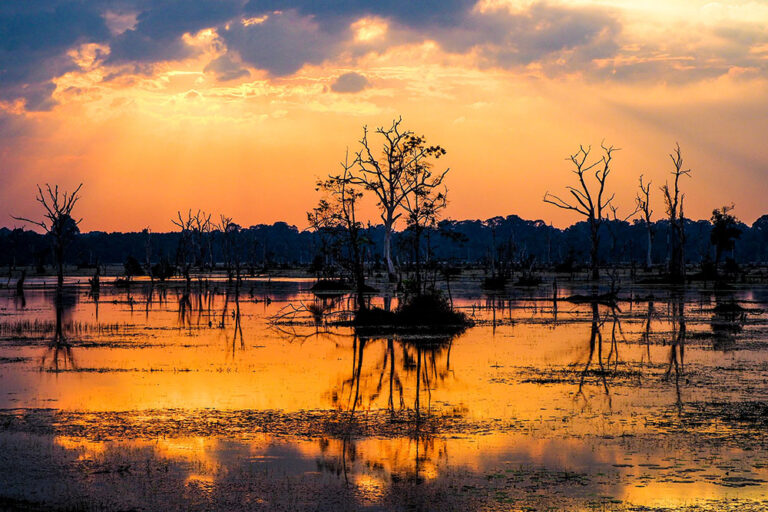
276	394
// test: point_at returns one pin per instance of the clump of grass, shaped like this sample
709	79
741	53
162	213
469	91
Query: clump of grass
37	327
425	310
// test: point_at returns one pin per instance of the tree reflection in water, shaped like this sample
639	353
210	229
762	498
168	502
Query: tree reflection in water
647	330
420	360
416	363
595	349
58	355
677	346
237	326
727	322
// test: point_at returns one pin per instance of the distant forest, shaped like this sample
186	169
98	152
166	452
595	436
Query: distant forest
499	239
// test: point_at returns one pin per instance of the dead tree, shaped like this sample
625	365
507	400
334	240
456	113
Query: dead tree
588	201
673	200
226	226
57	221
148	252
426	197
338	214
615	223
202	231
185	250
386	175
230	232
643	201
725	231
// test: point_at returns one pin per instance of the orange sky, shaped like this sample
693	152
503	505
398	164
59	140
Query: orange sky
500	90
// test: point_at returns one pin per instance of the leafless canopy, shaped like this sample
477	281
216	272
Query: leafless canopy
615	213
589	200
58	208
195	239
586	201
673	200
338	212
399	172
390	178
57	220
643	200
344	196
230	246
427	197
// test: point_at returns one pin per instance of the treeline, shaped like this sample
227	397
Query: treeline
500	240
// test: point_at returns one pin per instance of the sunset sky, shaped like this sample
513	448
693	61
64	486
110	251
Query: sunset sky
237	106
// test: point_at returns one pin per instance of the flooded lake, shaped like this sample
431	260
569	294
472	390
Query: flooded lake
140	398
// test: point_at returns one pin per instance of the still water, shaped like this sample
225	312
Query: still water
142	398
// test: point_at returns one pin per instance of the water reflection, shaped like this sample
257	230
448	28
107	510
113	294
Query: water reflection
647	329
20	299
677	346
234	313
59	355
727	322
421	363
595	352
418	363
389	416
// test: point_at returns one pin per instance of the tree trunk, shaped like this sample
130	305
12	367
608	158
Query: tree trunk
388	223
594	257
677	259
60	265
359	271
648	259
417	247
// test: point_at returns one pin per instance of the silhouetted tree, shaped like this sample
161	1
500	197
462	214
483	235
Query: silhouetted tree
147	250
386	175
338	213
57	221
202	232
132	267
589	202
615	225
673	200
643	201
230	246
423	202
185	250
725	231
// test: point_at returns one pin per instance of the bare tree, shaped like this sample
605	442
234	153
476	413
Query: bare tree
725	231
589	201
148	251
615	223
230	233
643	201
203	228
196	244
338	213
673	200
57	221
386	176
423	203
185	250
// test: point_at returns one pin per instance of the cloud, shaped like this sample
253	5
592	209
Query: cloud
350	83
283	42
13	127
405	12
561	38
33	48
225	68
554	38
